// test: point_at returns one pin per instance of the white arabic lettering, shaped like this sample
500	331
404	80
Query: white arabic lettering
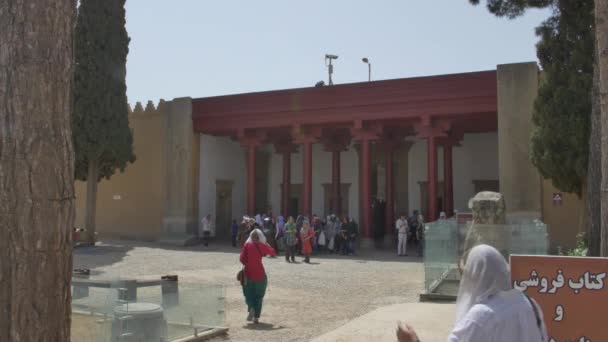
559	312
576	286
544	285
558	283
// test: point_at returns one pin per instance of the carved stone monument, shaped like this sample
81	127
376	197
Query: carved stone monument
489	222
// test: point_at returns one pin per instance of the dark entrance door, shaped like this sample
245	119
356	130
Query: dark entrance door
294	207
223	209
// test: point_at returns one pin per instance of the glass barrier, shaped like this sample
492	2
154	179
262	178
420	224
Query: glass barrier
448	240
120	310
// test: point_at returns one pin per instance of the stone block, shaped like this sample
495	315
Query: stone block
488	208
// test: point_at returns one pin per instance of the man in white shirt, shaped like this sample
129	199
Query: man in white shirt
402	229
206	229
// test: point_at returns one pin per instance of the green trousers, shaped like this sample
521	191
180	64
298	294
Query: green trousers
254	292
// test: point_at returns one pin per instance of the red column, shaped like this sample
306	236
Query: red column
389	191
335	184
448	187
251	179
307	180
285	194
432	179
366	189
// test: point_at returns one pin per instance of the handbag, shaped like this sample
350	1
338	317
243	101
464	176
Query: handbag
240	276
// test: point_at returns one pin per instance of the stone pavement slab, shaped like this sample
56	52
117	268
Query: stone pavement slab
433	322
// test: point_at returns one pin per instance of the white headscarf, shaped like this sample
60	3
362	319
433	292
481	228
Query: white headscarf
260	235
485	274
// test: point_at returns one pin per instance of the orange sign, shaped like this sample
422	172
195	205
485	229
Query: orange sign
572	292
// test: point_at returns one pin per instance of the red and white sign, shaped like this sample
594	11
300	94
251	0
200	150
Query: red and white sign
557	199
572	292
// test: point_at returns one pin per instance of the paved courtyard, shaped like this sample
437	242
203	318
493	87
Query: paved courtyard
302	302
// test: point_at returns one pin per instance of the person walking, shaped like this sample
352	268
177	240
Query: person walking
234	232
330	232
413	226
205	229
269	231
402	230
280	237
353	232
487	308
317	227
299	223
338	237
290	240
420	235
256	280
344	235
307	234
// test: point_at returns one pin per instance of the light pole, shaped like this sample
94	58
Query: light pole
330	67
369	68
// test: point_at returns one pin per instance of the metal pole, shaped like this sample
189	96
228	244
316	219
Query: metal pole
369	72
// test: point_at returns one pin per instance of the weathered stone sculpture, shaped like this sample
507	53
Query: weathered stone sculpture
489	222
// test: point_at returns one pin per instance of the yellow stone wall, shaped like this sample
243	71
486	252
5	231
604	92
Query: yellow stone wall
564	221
131	204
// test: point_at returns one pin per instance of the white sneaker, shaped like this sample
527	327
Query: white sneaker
250	316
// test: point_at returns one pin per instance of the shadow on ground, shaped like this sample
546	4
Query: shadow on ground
88	257
263	326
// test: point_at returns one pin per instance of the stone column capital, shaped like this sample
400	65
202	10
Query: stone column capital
427	127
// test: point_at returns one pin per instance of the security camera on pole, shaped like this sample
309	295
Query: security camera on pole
330	67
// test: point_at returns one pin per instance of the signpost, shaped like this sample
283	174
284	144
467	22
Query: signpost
572	292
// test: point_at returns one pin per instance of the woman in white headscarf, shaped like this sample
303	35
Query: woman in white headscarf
487	309
254	287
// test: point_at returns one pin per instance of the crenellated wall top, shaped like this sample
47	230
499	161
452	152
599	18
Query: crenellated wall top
139	111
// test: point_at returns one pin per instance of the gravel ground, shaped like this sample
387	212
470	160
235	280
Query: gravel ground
302	301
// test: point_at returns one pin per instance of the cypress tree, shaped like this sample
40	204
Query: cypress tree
103	141
562	111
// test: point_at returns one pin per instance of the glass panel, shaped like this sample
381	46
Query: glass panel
118	310
447	241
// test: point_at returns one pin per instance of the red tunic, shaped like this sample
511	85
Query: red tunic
307	240
251	257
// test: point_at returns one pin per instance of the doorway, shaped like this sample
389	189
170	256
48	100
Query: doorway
223	209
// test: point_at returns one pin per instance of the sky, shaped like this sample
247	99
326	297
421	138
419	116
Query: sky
201	48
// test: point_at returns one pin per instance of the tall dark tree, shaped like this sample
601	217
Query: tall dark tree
560	140
36	169
565	142
103	140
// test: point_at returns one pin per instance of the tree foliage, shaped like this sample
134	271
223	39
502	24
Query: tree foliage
562	110
513	8
100	122
560	141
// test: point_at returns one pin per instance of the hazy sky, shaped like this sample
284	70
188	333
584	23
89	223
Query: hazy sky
204	48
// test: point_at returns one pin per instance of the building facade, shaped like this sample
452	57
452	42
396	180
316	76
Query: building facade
425	143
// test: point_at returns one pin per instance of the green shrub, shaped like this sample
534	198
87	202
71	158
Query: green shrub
579	250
